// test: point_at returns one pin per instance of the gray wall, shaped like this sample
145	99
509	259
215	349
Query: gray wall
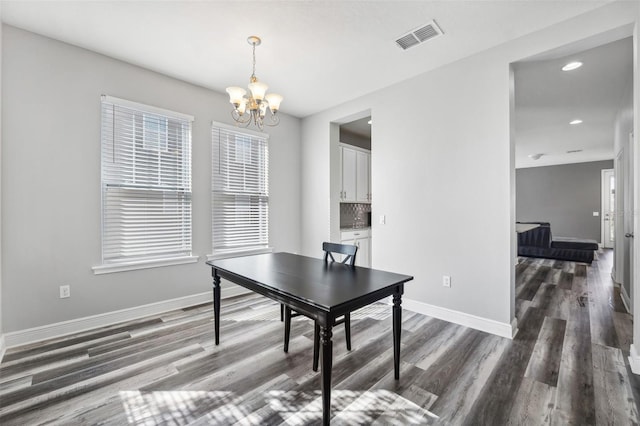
565	195
1	325
351	138
51	181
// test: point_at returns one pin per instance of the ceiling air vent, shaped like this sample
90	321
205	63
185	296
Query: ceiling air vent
419	35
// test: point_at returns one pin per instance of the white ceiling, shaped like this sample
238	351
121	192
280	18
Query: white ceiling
547	99
317	54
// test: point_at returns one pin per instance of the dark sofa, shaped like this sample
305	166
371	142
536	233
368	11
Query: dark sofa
538	242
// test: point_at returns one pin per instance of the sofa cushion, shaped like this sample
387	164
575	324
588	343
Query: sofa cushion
574	243
573	255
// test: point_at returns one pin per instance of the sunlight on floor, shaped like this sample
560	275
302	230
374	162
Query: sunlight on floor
291	407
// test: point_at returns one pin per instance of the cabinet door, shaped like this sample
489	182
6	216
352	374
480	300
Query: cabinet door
362	176
363	254
348	174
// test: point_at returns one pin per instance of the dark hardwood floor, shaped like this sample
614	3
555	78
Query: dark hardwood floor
567	365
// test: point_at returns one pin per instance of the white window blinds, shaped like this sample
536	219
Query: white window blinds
240	190
146	182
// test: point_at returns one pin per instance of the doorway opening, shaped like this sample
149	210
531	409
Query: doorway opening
608	224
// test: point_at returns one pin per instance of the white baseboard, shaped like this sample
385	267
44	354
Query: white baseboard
626	300
59	329
634	360
483	324
3	346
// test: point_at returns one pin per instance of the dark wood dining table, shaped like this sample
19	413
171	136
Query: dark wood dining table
322	291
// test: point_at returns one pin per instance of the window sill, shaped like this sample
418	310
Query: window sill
144	264
238	253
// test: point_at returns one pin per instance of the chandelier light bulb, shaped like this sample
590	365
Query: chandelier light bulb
258	90
235	95
274	101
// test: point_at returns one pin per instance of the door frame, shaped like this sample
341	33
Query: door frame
603	202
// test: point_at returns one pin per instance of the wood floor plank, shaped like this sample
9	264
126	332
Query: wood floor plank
495	402
544	364
534	403
456	400
530	288
613	394
575	400
32	349
565	280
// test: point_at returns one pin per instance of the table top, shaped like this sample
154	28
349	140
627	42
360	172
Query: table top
323	284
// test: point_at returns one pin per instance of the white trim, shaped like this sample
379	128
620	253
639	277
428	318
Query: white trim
634	360
238	253
59	329
3	346
354	147
626	300
483	324
514	328
143	264
146	108
240	130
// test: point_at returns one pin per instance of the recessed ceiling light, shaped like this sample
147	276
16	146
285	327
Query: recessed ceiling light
576	121
573	151
572	66
535	156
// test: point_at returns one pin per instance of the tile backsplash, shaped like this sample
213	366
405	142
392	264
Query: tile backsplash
355	215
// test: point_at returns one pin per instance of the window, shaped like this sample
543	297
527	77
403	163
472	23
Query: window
146	183
240	190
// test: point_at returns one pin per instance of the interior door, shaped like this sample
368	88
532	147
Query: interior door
608	208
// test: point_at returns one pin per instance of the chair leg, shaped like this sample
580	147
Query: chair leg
316	345
287	327
281	312
347	330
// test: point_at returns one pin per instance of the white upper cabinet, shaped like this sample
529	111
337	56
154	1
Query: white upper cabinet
363	164
348	174
356	172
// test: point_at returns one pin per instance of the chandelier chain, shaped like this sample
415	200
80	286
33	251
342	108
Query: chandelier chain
253	74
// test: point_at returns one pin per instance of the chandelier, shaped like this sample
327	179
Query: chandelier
253	108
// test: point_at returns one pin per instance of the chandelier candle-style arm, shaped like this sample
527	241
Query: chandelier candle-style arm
256	99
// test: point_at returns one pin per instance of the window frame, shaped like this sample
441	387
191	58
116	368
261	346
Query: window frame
157	193
247	155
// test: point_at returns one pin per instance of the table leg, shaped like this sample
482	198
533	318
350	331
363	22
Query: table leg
327	360
216	305
316	345
397	327
287	327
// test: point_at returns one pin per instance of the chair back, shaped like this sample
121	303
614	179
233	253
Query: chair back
346	249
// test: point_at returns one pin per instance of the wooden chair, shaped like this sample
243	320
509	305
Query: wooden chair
349	251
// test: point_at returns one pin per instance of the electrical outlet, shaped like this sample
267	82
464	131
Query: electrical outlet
446	281
383	219
65	291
